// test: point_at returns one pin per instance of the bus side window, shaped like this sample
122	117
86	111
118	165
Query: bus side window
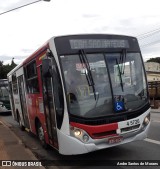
14	83
32	78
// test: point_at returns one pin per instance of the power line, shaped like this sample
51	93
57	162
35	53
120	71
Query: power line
149	38
150	44
149	32
22	6
148	35
140	37
150	41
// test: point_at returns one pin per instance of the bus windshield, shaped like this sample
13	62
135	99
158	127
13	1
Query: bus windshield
4	93
104	83
4	89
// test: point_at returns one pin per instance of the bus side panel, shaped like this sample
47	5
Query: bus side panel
31	110
35	102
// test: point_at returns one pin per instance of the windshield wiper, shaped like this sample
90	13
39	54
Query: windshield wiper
120	75
122	60
83	59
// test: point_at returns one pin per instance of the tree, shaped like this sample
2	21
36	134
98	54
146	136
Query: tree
1	70
5	69
157	60
1	63
13	65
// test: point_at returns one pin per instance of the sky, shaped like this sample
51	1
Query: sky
24	30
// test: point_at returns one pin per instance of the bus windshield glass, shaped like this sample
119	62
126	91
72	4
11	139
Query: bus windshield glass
4	93
4	90
104	83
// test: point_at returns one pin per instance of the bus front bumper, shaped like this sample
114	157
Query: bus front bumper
71	146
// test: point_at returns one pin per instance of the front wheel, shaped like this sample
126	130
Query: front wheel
40	134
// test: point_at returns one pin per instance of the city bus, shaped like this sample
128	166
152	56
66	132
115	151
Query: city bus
4	97
82	93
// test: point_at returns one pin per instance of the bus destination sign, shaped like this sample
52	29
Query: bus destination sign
98	43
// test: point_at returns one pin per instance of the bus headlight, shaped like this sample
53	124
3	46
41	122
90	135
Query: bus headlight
146	120
79	134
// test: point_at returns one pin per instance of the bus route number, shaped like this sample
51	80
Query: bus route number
133	122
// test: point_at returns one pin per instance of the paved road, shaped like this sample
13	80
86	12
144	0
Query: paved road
148	149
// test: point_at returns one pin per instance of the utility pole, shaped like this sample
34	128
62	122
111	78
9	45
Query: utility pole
23	6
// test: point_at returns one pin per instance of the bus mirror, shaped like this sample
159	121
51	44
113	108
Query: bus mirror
46	67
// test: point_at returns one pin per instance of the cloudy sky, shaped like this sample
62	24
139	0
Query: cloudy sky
24	30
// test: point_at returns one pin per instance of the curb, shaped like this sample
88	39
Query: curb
155	110
28	151
8	126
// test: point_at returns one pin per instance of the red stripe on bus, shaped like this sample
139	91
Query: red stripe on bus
93	131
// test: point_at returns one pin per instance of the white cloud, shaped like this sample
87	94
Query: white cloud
24	30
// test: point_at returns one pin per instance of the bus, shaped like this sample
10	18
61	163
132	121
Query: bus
82	93
4	97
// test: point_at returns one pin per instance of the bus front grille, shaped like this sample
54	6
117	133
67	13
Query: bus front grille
130	128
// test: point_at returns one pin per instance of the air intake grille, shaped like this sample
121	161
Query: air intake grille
130	128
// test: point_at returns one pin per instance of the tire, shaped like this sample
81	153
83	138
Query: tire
40	134
20	123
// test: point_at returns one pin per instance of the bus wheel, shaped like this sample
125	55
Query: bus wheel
20	123
40	134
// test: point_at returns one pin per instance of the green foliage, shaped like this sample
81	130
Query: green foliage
5	69
157	60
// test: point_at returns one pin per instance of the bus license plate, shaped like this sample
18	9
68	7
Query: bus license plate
115	140
133	122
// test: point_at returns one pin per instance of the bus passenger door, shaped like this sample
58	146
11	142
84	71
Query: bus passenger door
49	108
23	101
12	100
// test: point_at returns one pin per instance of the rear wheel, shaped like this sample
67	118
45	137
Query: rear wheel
40	134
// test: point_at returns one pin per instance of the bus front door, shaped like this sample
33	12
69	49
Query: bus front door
12	100
23	101
49	108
